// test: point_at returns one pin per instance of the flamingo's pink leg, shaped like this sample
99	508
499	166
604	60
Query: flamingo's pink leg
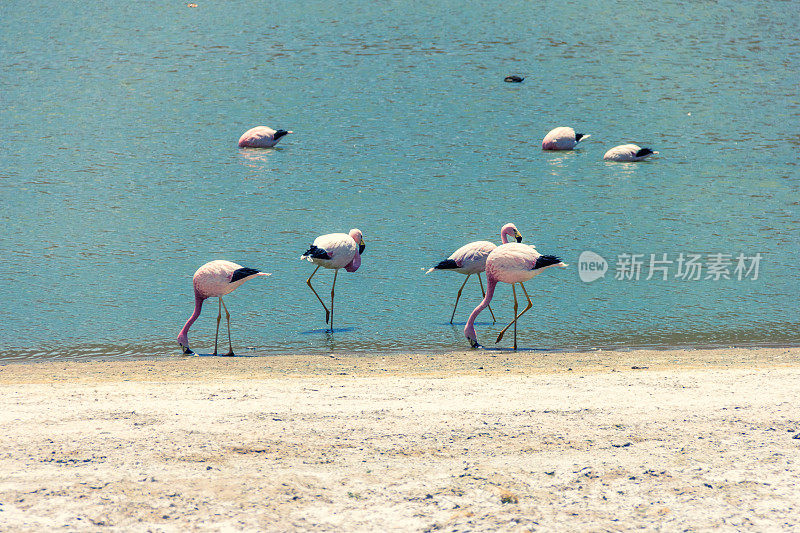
514	290
333	287
228	318
516	316
219	318
308	282
459	296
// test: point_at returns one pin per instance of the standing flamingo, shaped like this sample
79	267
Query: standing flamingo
261	137
510	263
562	138
471	259
335	250
215	278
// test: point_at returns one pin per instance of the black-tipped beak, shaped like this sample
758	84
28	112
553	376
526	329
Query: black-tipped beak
186	350
518	236
474	343
361	247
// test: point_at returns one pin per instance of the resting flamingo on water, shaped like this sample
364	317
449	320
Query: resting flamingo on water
562	138
471	259
335	251
510	263
215	279
261	137
628	152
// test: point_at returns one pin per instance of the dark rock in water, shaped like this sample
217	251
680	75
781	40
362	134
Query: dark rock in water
513	79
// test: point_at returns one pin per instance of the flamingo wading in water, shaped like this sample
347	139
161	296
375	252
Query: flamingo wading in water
628	152
471	259
562	138
510	263
215	279
261	137
335	251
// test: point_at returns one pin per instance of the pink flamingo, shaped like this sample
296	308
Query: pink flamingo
471	259
215	279
261	137
562	138
335	251
510	263
628	152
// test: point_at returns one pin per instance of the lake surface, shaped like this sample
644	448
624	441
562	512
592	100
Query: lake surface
120	174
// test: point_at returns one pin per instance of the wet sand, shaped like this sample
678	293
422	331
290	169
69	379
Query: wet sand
479	440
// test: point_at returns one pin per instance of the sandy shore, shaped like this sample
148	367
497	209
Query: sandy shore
484	441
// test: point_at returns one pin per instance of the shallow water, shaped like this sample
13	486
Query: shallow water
120	175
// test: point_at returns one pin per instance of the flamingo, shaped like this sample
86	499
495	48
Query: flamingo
215	279
510	263
562	138
261	137
335	251
628	152
471	259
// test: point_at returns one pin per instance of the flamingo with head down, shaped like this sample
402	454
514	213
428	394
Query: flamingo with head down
215	279
471	259
261	137
562	138
335	251
628	152
510	263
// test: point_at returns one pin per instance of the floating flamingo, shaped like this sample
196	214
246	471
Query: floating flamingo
215	278
510	263
335	250
471	259
628	152
562	138
261	137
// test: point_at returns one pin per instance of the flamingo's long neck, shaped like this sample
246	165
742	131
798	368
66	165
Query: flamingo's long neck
469	329
507	230
183	336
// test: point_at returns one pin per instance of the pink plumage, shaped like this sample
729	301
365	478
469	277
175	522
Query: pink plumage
510	263
335	251
562	138
261	137
471	259
215	279
628	152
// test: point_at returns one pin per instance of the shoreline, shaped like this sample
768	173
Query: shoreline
468	362
481	441
95	352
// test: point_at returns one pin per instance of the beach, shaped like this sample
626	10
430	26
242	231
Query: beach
474	441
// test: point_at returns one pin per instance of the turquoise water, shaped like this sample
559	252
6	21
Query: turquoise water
120	175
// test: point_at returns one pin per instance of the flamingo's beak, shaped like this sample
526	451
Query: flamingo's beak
518	236
474	343
185	350
361	247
